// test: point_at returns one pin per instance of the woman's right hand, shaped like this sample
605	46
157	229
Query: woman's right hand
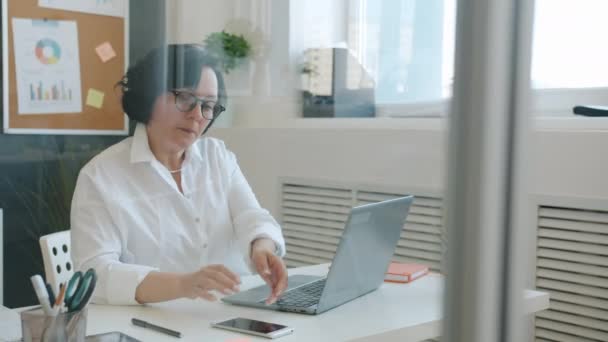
209	278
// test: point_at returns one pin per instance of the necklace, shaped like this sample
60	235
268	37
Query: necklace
181	168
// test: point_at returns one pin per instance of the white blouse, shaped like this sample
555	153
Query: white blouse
128	216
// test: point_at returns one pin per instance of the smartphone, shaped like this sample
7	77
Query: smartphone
113	336
253	327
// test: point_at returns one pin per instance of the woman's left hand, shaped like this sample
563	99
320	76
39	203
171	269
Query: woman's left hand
270	267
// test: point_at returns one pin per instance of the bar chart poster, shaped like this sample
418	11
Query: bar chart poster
47	66
114	8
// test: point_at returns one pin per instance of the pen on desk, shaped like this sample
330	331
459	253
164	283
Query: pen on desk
43	296
145	324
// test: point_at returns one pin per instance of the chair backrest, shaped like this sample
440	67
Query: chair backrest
58	266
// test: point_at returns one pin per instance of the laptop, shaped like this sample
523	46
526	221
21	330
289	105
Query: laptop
359	265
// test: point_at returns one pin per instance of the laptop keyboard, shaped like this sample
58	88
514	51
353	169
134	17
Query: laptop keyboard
303	296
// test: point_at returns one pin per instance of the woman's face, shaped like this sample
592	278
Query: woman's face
176	130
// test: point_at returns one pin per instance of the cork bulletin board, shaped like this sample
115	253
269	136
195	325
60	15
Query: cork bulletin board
46	99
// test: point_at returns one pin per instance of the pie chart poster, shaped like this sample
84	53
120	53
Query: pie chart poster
47	66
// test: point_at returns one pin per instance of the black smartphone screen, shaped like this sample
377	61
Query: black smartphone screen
114	336
252	325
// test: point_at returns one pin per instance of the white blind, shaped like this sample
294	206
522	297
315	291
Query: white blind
572	265
313	217
421	240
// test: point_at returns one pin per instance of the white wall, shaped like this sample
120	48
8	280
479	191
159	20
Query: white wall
264	92
568	163
190	21
572	163
316	23
407	158
265	82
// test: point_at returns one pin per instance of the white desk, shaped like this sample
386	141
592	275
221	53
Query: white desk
395	312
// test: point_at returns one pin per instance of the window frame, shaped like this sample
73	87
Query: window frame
547	102
558	102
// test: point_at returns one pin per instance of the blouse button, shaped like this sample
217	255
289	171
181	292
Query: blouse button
197	220
204	245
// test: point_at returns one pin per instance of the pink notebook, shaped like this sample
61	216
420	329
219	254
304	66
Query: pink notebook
405	272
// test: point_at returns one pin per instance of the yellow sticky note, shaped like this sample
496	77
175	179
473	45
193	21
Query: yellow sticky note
105	52
95	98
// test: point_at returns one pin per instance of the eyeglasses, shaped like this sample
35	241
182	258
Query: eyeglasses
185	102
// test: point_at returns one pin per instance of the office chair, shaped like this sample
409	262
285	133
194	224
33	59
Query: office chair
58	265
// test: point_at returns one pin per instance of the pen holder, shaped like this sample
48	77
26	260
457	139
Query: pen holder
68	326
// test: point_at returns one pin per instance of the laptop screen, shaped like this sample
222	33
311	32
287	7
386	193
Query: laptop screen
365	251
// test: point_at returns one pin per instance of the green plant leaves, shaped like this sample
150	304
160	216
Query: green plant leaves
230	49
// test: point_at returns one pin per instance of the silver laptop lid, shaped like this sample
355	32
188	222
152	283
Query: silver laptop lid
365	250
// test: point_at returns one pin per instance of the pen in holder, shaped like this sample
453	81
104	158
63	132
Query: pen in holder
66	326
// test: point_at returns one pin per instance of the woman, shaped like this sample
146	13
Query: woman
163	214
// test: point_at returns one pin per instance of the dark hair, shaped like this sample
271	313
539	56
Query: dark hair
163	69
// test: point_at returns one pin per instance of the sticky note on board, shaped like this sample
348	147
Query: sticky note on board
95	98
105	52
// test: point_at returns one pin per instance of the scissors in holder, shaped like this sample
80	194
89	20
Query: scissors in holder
80	289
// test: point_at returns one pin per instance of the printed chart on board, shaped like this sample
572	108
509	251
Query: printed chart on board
47	66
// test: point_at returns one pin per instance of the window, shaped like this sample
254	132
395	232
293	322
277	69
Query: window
407	46
569	58
569	44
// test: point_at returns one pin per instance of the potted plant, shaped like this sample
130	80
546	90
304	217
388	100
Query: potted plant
230	49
